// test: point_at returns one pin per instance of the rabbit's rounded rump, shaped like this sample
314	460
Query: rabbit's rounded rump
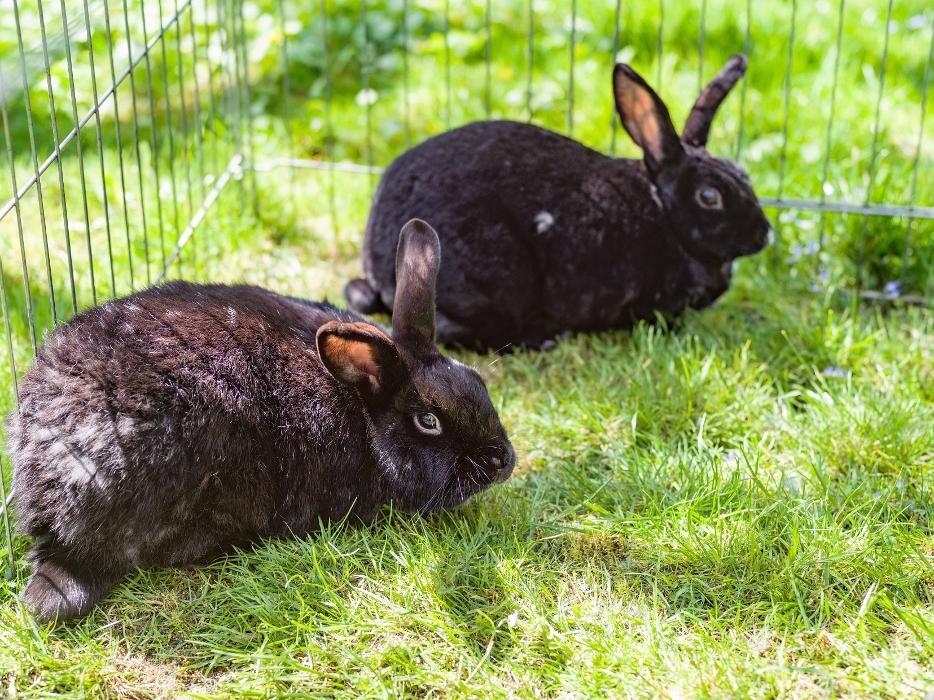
543	235
167	427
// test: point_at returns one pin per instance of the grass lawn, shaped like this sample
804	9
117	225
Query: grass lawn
739	505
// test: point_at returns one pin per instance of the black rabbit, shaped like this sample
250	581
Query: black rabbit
542	234
169	426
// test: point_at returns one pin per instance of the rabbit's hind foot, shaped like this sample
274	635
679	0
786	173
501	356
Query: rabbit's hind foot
58	593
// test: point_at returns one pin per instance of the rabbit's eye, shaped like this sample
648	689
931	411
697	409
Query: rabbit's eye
427	423
709	198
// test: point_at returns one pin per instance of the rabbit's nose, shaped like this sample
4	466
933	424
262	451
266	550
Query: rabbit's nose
504	465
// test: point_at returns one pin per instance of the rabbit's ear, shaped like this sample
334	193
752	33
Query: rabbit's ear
418	258
697	126
361	355
646	118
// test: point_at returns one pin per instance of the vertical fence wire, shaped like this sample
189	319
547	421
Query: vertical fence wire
914	167
861	253
58	156
183	119
828	135
783	153
573	46
195	124
30	121
187	127
136	147
99	133
700	45
614	119
745	80
7	322
228	101
531	60
406	98
232	64
170	120
447	62
660	46
27	291
365	67
241	44
328	126
212	109
8	328
286	93
196	85
488	87
154	141
7	525
118	135
78	146
5	308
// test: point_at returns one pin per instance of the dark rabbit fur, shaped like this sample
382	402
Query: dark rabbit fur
169	426
542	234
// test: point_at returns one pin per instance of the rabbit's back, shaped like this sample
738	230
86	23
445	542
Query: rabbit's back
465	179
164	427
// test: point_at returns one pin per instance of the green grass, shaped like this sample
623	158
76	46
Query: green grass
739	505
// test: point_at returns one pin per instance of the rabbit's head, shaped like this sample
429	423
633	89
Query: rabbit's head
708	202
432	427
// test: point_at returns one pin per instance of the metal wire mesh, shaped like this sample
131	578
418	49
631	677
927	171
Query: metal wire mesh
116	147
125	123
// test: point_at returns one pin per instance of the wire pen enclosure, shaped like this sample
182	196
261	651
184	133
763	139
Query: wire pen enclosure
144	141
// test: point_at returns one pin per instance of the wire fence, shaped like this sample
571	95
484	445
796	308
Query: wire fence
133	131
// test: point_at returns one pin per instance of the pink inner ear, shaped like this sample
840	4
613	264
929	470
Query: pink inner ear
357	353
639	111
648	125
643	114
361	356
354	360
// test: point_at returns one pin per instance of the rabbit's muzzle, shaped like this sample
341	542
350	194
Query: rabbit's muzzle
501	464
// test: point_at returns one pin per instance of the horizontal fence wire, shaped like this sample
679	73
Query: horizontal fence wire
109	185
884	210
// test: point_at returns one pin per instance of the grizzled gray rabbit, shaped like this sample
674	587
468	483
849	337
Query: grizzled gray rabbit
169	426
542	234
